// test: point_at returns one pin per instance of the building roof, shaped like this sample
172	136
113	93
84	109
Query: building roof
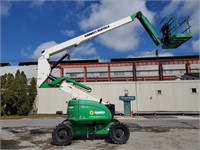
78	61
112	60
4	64
63	62
155	58
27	63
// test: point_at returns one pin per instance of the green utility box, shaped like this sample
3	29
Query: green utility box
127	104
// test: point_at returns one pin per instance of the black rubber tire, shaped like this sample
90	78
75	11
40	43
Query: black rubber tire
114	120
66	122
119	133
62	135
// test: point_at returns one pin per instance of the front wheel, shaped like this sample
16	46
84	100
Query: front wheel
119	133
114	120
62	135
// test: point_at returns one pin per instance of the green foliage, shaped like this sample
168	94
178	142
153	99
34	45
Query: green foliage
17	96
32	91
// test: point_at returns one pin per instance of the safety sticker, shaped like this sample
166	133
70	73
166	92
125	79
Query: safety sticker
91	112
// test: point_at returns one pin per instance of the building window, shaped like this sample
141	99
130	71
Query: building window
159	92
73	75
193	90
103	74
119	73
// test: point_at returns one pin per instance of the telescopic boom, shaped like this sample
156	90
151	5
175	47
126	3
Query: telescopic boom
44	68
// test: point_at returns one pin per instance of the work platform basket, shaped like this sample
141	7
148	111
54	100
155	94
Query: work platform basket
175	31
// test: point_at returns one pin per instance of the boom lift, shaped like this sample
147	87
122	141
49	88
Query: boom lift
87	114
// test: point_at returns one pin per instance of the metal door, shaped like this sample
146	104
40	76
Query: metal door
127	108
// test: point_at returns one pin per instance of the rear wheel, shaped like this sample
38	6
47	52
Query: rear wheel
62	135
119	133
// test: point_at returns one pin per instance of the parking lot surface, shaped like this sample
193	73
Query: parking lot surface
146	132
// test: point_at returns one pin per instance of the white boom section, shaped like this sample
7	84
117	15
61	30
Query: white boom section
43	64
78	93
85	37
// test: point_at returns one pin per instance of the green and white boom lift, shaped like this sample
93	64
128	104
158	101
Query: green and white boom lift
87	114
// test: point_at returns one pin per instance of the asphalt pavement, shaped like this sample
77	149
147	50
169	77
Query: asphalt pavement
146	132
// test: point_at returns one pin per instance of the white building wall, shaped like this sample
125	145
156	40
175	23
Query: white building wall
30	71
51	100
195	68
174	70
147	70
175	96
74	72
94	72
110	91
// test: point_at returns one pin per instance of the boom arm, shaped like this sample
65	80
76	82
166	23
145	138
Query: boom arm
44	68
148	27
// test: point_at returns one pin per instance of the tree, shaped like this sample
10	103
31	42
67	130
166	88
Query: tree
21	93
9	97
3	86
32	92
17	96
